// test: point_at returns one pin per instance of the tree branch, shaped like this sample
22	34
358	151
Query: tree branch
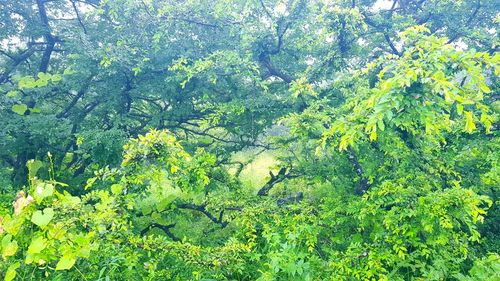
16	60
73	3
281	176
469	21
49	38
273	71
364	183
265	9
391	45
165	228
75	99
202	209
291	199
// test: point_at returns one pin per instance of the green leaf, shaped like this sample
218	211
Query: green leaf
12	94
11	273
19	108
68	71
136	70
460	109
43	76
41	83
27	82
9	246
42	191
37	245
33	166
35	110
56	78
469	122
484	87
66	262
116	189
42	219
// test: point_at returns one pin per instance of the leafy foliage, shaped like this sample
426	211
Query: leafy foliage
249	140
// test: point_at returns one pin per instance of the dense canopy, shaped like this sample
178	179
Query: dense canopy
249	140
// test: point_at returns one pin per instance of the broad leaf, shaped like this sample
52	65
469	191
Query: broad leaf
19	108
66	262
42	218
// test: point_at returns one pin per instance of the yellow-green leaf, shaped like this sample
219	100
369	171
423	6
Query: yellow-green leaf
11	273
37	245
373	134
66	262
469	122
19	108
460	109
42	191
12	94
484	87
9	246
56	77
116	189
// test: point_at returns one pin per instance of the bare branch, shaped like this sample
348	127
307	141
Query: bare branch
265	9
78	16
15	62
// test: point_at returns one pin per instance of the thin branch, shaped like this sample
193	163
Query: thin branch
469	21
391	45
391	11
165	228
281	34
78	16
379	27
265	9
75	99
205	24
273	71
202	209
23	56
424	19
8	55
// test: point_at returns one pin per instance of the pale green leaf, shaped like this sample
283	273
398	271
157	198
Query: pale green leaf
42	191
42	219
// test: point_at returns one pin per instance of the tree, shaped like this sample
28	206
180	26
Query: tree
381	117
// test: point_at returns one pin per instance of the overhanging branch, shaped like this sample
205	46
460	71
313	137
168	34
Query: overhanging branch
165	228
202	209
275	179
